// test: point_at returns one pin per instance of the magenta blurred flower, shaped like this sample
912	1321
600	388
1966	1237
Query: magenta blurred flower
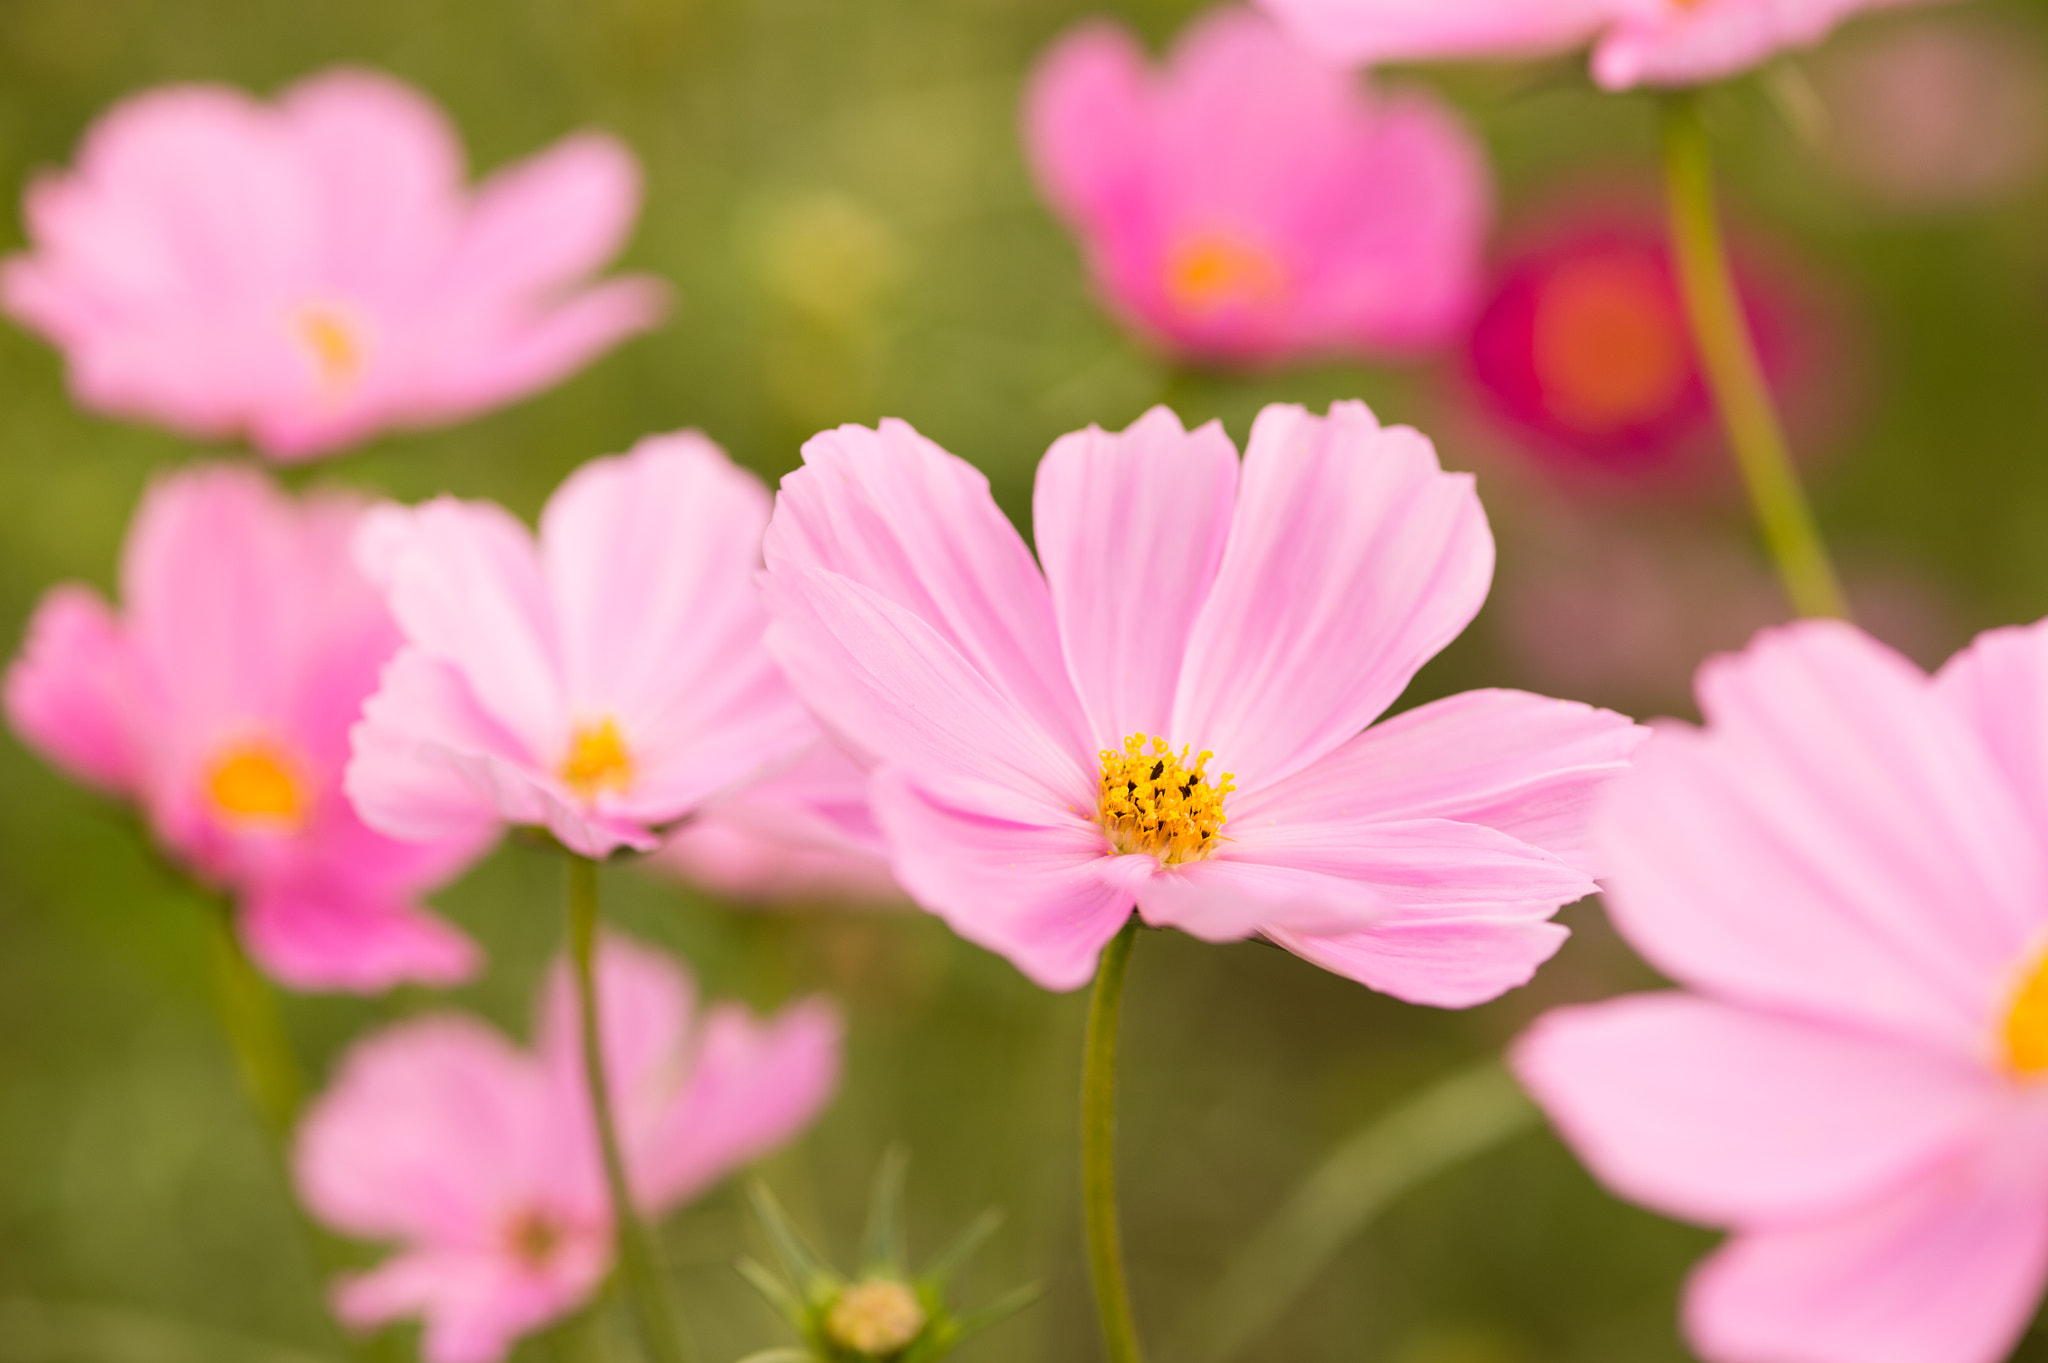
806	831
601	683
1849	868
1583	352
1251	203
311	272
220	701
1169	715
1636	42
481	1162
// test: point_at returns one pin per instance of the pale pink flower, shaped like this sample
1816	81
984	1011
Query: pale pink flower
219	700
311	272
803	832
602	682
1848	867
1250	202
1635	42
480	1161
1268	614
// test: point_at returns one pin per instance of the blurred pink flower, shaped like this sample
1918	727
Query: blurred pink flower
481	1162
600	683
220	701
806	831
1849	866
1636	42
1041	740
1251	203
311	272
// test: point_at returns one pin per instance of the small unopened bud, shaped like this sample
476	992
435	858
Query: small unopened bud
875	1317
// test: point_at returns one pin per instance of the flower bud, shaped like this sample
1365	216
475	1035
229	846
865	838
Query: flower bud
875	1317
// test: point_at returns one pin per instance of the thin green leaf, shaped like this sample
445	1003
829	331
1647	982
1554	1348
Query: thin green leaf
884	1250
1001	1309
799	1260
950	1259
779	1293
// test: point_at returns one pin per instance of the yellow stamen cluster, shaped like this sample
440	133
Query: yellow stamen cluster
253	784
1153	801
1208	273
2026	1026
334	345
597	761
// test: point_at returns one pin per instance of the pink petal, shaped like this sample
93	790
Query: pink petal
1526	765
1352	560
321	936
67	692
435	1130
646	1027
1998	686
1724	1115
754	1086
1439	961
1375	32
468	590
1836	843
547	221
651	562
1660	45
1130	528
515	356
476	1305
1085	120
891	686
911	523
1945	1270
1006	871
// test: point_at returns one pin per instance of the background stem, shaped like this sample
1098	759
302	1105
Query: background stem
1098	1151
639	1261
1734	374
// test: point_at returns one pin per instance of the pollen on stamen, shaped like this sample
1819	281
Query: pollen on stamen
2026	1025
597	761
256	785
1153	800
333	343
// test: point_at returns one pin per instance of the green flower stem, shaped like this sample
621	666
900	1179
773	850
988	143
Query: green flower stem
1098	1151
1728	355
660	1331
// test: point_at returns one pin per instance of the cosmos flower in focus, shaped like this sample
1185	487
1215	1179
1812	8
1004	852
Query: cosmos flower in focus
1635	42
805	832
601	682
1847	869
480	1161
219	700
1583	353
310	272
1169	716
1249	203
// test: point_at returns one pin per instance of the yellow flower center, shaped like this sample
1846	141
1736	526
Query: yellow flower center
1153	801
2026	1026
333	342
533	1237
255	784
876	1317
1608	349
597	761
1208	273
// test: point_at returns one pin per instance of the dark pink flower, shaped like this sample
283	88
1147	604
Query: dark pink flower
220	700
311	272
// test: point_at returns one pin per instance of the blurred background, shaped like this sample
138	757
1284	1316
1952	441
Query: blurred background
838	194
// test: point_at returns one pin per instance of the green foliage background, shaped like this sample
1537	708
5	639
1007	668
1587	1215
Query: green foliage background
836	191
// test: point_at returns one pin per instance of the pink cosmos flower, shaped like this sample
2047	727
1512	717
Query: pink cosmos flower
1251	203
220	699
481	1162
1636	42
310	272
602	682
1848	869
805	831
1169	715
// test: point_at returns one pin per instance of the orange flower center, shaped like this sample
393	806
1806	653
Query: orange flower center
256	784
333	342
597	761
1154	801
1609	351
1211	272
2026	1026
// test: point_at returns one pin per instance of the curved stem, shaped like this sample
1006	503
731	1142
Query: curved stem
640	1263
1728	355
1098	1151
